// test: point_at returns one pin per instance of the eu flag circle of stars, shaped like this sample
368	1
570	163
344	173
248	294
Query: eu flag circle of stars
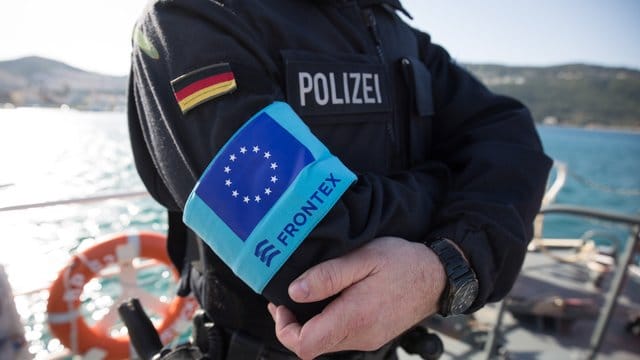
242	194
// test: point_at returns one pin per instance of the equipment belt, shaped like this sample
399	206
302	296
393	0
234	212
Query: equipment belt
242	346
236	345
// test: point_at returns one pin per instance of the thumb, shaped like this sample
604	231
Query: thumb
331	277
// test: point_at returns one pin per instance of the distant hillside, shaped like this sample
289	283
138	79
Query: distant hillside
570	94
35	81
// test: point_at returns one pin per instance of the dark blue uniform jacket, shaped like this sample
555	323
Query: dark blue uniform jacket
435	152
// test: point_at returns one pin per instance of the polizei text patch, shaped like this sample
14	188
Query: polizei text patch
315	88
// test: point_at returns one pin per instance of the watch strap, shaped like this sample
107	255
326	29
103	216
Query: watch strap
457	269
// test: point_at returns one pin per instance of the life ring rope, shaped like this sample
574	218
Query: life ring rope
64	306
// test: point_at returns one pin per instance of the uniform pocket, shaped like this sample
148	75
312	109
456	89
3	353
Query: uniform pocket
418	79
346	101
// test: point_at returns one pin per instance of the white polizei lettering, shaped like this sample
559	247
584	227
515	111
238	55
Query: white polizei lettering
345	84
317	79
335	100
367	88
356	88
305	83
376	82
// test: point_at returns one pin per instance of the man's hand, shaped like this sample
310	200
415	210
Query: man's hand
385	287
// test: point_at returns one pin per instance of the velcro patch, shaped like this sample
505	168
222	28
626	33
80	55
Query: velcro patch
198	86
143	42
264	192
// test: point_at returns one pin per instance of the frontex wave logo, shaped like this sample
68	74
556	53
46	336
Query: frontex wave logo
266	253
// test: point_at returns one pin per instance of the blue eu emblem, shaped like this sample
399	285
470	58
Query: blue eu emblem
252	172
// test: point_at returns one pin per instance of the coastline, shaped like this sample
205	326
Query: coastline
595	127
589	127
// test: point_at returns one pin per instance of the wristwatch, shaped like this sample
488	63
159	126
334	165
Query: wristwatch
461	289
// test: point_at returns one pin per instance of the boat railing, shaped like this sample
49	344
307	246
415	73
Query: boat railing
624	262
75	201
550	197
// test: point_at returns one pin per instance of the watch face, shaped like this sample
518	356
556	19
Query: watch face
464	297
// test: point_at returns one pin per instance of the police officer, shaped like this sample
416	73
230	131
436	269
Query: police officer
447	177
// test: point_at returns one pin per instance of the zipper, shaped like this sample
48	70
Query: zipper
372	25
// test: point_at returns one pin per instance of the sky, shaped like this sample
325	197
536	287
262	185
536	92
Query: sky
95	34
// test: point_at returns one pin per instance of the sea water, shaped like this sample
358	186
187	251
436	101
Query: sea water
49	155
603	173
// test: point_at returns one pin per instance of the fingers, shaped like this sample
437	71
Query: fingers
319	335
335	329
329	330
287	328
331	277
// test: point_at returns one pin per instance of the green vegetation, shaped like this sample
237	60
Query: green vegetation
581	95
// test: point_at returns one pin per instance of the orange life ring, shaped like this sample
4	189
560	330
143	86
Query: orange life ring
63	308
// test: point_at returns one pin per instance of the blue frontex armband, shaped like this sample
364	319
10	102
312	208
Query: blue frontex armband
264	192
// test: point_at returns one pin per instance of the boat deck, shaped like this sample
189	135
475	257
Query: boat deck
546	326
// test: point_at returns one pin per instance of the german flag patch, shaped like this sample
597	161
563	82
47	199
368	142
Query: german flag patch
204	84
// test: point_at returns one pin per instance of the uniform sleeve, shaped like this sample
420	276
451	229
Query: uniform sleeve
498	173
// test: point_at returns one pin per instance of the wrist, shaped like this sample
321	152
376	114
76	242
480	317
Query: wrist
433	278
